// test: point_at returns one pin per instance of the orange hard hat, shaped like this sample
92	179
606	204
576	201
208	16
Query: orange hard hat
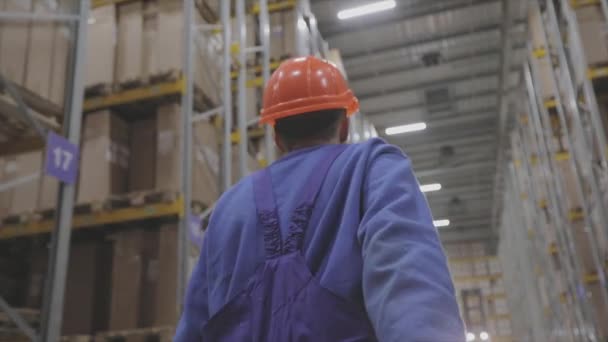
304	85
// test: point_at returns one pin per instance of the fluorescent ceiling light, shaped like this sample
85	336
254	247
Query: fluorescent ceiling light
441	223
470	336
420	126
373	7
484	336
430	187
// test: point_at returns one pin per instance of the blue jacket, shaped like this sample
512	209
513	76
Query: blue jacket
371	239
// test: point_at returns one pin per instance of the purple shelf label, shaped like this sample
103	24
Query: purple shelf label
62	158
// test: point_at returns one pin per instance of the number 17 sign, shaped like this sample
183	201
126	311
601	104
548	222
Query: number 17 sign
61	158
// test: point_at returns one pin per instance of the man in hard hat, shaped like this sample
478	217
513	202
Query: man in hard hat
332	242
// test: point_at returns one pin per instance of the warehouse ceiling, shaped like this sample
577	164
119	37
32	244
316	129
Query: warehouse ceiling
441	62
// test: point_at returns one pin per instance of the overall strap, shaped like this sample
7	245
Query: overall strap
301	215
267	213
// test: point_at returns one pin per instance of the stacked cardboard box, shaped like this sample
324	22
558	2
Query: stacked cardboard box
87	286
592	29
104	157
37	194
144	278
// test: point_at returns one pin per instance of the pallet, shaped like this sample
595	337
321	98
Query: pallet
157	334
101	89
31	316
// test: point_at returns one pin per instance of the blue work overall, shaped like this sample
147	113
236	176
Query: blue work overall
283	300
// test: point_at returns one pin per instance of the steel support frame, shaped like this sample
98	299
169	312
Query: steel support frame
242	87
54	291
187	107
264	20
578	161
226	173
557	202
519	231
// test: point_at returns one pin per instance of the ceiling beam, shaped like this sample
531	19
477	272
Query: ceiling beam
403	13
440	83
478	233
465	56
487	28
454	170
423	105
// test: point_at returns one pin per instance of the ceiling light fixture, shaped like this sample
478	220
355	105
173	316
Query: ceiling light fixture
420	126
470	336
430	187
484	336
441	223
373	7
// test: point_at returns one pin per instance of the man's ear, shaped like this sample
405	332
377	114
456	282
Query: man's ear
279	143
344	129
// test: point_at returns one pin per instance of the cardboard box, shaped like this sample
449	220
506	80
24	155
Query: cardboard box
544	77
104	157
101	46
129	49
166	309
59	64
169	36
595	295
592	29
142	157
127	269
14	37
570	183
86	306
535	29
205	155
38	265
150	53
24	197
40	53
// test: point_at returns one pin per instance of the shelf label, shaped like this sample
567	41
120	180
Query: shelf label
62	158
195	230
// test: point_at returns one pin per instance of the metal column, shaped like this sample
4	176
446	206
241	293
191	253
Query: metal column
242	88
265	39
186	150
60	242
226	96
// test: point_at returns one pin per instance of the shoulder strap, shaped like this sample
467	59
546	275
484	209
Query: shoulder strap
301	215
267	213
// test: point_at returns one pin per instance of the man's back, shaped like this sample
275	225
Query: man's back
370	241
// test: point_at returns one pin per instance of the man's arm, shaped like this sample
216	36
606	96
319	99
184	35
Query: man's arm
408	291
196	311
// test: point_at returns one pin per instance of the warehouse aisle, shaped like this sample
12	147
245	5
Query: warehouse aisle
123	121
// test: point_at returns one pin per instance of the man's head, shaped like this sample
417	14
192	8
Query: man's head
317	128
308	101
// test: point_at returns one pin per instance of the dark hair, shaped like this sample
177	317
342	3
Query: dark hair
321	125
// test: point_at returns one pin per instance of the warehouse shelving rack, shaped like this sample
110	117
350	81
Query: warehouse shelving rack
179	208
574	99
72	114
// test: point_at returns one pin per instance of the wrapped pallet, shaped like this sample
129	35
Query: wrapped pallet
592	29
104	157
130	44
14	38
101	46
168	160
40	55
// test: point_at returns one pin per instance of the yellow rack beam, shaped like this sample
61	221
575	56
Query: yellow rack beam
275	7
595	73
80	221
499	317
488	277
137	94
257	69
582	3
257	132
472	259
272	7
496	296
